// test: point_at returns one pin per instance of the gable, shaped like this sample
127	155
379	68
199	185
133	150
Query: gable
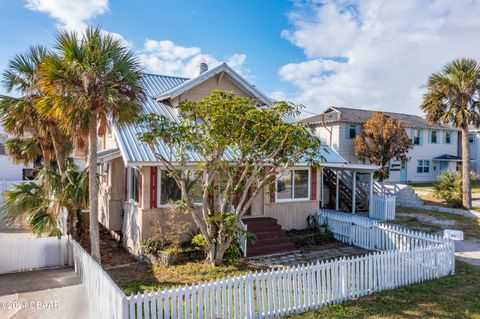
220	81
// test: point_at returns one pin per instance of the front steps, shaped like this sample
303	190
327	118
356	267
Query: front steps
271	239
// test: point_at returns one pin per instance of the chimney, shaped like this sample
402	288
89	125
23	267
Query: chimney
203	67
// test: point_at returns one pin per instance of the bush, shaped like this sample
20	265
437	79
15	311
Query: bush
449	187
231	256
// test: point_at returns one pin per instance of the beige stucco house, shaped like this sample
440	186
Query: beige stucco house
135	191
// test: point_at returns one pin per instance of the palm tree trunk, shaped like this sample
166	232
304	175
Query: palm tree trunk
46	157
59	147
92	183
467	194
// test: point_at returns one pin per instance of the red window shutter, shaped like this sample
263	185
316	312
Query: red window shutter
272	191
139	189
313	191
153	187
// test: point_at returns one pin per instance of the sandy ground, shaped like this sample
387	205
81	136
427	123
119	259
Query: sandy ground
468	251
43	294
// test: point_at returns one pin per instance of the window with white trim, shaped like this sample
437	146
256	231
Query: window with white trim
168	191
133	179
293	184
423	166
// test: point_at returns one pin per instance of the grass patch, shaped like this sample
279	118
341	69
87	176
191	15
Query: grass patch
430	187
142	277
450	297
469	225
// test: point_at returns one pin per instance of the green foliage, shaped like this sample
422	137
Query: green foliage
151	247
449	187
39	203
261	141
199	241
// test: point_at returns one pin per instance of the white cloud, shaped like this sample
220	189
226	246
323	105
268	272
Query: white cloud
71	14
166	57
376	54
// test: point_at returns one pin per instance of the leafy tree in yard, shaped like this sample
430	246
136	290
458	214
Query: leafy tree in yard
89	81
243	147
382	139
453	97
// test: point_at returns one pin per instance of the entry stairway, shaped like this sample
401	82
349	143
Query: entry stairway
345	191
271	238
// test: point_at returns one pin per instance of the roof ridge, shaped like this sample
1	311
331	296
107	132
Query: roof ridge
374	111
166	76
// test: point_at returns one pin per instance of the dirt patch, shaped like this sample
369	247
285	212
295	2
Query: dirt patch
430	219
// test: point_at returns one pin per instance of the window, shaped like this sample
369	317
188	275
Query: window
169	192
416	137
352	131
448	137
423	166
133	178
3	139
433	137
471	138
294	184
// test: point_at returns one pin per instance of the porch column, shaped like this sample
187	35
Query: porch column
321	187
370	198
354	188
337	191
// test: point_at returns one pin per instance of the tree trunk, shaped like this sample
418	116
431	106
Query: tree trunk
59	147
46	158
215	254
93	187
467	193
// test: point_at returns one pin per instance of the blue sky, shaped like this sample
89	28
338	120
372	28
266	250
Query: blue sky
359	53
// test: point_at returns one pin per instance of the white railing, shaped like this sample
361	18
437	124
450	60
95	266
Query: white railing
33	253
383	207
376	235
242	238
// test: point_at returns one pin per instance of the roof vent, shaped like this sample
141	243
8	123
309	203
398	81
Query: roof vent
202	68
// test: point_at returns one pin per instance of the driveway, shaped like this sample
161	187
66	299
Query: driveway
43	294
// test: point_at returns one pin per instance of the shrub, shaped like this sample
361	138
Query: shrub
449	187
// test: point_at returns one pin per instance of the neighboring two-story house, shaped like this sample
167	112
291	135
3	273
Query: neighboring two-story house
435	146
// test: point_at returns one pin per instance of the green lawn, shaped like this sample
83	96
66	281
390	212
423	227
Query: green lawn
450	297
430	187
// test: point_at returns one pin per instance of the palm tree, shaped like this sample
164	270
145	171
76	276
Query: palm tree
94	79
21	115
453	97
40	203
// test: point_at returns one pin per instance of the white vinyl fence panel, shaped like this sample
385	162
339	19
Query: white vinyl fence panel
105	299
33	253
383	207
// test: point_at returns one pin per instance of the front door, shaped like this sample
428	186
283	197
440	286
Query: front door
403	173
442	165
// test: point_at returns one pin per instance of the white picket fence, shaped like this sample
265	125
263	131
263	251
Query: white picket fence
383	207
33	253
402	258
105	299
294	290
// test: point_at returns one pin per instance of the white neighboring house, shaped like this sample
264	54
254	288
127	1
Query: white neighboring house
435	148
474	143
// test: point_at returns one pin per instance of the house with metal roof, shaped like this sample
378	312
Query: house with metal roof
135	192
436	147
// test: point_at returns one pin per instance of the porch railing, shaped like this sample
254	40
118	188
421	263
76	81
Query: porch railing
242	238
383	207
